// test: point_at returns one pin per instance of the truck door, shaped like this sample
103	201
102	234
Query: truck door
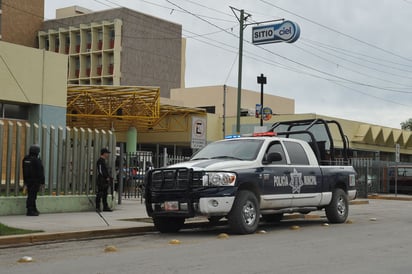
276	191
305	179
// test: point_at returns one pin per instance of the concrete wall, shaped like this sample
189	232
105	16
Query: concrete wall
51	204
32	76
20	21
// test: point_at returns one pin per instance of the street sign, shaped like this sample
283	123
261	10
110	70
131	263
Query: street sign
266	113
397	153
286	31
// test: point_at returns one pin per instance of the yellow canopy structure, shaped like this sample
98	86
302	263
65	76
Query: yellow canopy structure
120	107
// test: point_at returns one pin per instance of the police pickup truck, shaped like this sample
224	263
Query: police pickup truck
248	178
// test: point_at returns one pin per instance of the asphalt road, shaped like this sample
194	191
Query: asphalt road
377	240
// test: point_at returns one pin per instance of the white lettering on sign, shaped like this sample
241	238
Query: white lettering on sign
296	181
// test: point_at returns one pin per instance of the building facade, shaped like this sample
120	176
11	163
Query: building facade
33	85
20	20
117	47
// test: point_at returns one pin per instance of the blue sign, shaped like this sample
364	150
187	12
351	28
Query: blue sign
286	31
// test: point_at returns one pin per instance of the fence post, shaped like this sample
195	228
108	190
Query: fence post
67	166
1	151
59	177
51	158
75	160
164	157
89	159
8	157
18	159
44	158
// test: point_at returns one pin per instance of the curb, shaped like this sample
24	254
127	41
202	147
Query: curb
381	197
37	238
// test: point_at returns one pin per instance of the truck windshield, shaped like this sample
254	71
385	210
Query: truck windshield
242	149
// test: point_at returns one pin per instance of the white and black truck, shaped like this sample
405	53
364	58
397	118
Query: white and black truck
261	176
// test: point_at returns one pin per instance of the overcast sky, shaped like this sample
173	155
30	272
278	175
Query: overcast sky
353	59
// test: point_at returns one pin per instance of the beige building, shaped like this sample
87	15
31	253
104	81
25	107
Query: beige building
117	47
33	85
20	20
222	100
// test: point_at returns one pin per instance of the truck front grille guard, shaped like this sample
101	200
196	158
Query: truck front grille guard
167	179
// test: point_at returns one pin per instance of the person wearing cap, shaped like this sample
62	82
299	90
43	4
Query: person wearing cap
33	178
103	181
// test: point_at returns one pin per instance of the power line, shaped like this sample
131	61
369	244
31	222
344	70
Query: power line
354	54
337	31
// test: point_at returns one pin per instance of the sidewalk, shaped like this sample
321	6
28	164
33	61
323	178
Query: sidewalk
127	218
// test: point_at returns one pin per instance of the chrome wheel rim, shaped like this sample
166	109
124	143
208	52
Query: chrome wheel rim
341	206
249	213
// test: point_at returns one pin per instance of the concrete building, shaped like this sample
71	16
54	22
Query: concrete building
33	85
117	47
20	21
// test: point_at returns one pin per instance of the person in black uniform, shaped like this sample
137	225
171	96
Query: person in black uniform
103	180
33	177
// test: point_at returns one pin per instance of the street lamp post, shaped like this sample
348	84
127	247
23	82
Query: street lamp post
262	81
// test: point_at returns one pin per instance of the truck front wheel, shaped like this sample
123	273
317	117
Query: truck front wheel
337	210
245	213
168	224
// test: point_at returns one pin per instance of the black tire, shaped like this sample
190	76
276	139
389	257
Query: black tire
168	224
272	218
245	213
338	209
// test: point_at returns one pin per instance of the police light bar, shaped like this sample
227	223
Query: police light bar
264	134
232	136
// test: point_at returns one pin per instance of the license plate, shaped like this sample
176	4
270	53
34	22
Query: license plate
172	206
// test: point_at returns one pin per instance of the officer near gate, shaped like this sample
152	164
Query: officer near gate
103	180
33	177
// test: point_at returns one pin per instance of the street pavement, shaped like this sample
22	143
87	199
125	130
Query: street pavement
128	218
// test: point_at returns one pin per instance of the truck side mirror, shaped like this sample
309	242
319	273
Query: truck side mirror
273	157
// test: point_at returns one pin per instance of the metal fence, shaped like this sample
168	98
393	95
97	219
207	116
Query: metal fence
135	165
68	155
375	176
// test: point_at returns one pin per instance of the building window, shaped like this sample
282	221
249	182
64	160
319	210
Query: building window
209	109
12	111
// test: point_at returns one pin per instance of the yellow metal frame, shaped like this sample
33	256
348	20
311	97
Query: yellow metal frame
121	107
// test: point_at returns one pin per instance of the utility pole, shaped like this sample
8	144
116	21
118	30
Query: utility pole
241	20
224	111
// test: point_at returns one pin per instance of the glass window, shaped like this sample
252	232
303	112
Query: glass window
296	153
14	111
242	149
277	147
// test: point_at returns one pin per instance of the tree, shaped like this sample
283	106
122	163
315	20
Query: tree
407	125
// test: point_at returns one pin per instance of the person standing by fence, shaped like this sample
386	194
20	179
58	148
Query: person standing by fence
33	177
103	181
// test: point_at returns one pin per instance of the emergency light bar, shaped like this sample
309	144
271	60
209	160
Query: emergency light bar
264	134
256	134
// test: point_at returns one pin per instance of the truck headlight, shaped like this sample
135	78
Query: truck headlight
219	179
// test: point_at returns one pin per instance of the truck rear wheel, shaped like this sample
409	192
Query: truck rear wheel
245	213
337	210
168	224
